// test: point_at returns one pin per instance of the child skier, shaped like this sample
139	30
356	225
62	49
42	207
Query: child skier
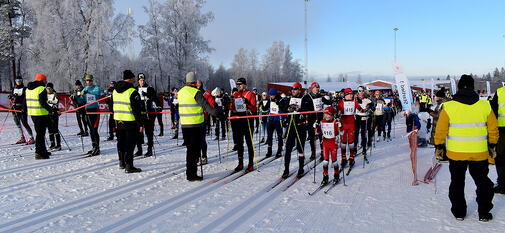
329	129
347	108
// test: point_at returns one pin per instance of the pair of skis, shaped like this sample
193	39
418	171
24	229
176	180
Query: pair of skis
280	180
432	173
331	184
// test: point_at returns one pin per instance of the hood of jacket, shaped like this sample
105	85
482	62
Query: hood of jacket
466	96
122	86
35	84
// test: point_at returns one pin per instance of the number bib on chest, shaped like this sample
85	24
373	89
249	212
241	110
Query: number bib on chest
349	108
296	101
142	90
379	107
328	130
318	104
239	105
176	101
18	91
90	98
274	108
219	102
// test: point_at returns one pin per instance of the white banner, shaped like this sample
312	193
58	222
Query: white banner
488	85
424	86
503	83
403	86
432	90
232	84
453	86
393	88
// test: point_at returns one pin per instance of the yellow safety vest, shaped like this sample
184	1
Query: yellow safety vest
32	102
424	99
429	100
190	112
122	106
467	127
501	106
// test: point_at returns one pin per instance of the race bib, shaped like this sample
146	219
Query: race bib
318	104
51	100
328	130
219	102
239	105
349	108
141	92
274	108
379	107
90	98
363	106
296	101
18	91
78	93
387	101
176	101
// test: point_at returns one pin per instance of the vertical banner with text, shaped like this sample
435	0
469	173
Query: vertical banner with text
402	83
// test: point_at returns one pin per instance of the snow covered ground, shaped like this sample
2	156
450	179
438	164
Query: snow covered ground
69	194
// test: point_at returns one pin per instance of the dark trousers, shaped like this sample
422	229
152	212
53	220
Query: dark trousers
479	171
82	120
159	117
125	145
294	138
221	123
41	123
370	130
274	126
379	123
93	122
112	125
204	143
54	132
360	129
193	139
388	118
149	129
244	130
22	118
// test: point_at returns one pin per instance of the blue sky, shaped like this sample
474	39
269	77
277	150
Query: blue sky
435	38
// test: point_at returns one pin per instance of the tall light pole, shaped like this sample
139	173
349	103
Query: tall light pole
504	63
306	46
395	29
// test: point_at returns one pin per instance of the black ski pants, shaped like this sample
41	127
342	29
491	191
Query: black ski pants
112	125
82	119
221	123
22	118
126	144
243	131
296	135
54	132
274	126
93	122
193	139
479	171
41	123
500	157
360	129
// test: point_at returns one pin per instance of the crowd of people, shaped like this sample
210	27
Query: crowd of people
349	120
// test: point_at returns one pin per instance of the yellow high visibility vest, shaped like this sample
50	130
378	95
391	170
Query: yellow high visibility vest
424	99
190	112
467	127
122	106
501	106
32	102
429	100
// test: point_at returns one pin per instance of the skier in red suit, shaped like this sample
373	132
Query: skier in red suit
347	108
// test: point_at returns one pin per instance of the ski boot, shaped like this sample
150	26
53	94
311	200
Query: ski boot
132	169
216	138
279	154
195	178
95	152
300	168
110	138
485	217
175	136
240	166
149	152
161	134
499	189
262	140
30	141
56	148
39	156
21	140
343	163
269	152
250	168
285	174
351	163
85	134
138	153
336	178
324	182
223	138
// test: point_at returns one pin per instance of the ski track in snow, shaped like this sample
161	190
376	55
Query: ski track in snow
68	193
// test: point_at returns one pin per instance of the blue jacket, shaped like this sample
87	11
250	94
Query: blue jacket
93	93
413	120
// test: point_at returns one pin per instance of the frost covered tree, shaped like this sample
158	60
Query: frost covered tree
15	27
240	65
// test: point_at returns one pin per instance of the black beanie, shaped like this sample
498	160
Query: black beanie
50	85
78	82
128	74
241	81
466	82
441	92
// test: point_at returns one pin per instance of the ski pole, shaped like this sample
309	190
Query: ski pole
219	149
315	142
285	142
4	122
61	135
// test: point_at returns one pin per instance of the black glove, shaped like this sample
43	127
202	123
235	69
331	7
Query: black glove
85	92
144	93
246	101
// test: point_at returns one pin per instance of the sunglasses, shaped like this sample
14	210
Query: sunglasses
89	80
295	88
316	86
361	90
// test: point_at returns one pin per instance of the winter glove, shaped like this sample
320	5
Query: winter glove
84	92
246	101
439	151
315	126
492	150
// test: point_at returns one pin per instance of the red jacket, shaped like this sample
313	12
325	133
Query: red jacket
347	119
250	96
207	95
336	131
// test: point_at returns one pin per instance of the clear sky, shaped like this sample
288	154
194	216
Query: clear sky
435	37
